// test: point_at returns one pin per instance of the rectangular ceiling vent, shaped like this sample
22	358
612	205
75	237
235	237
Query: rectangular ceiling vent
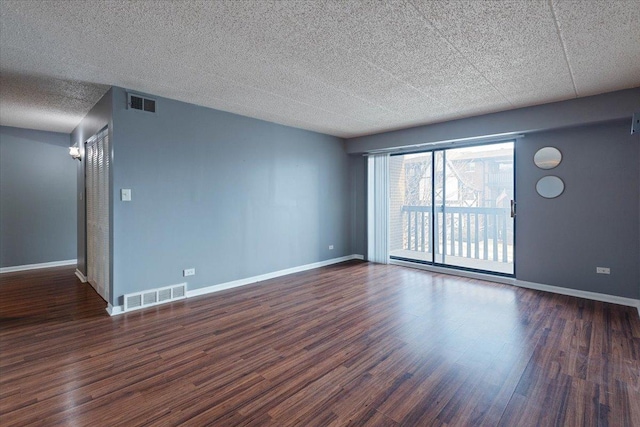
152	297
139	102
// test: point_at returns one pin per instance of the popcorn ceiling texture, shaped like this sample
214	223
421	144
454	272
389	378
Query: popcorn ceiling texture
45	103
345	68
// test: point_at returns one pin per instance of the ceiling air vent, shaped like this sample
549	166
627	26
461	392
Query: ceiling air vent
150	105
138	102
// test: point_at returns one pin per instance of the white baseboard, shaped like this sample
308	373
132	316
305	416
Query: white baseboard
37	266
81	276
114	310
613	299
267	276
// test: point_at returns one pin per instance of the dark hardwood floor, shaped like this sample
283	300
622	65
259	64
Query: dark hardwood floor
350	344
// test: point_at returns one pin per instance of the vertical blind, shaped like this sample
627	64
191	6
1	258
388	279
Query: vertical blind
378	208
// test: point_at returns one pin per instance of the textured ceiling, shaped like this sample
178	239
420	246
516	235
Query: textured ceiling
346	68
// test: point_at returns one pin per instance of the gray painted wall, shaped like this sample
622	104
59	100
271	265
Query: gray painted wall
231	196
37	202
98	117
594	223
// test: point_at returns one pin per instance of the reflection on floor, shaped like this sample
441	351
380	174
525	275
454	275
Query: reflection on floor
349	344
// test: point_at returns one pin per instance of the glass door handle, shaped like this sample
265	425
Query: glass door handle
513	208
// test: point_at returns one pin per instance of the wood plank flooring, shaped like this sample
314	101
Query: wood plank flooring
350	344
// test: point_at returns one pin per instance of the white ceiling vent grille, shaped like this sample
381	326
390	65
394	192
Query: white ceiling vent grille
139	102
154	297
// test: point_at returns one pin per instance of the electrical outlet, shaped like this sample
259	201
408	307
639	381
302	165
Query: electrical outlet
330	247
189	272
603	270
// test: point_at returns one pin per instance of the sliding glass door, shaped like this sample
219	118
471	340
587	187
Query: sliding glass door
451	207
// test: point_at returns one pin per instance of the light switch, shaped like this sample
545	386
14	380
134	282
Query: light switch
125	194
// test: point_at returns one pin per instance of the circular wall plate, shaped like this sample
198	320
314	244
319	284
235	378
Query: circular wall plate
550	187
